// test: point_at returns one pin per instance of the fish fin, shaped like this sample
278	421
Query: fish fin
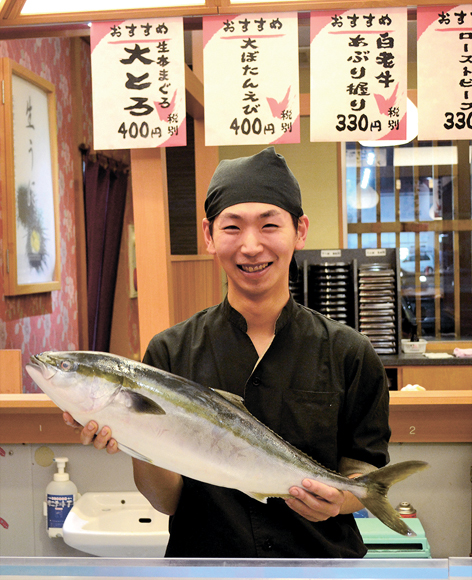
141	403
378	483
133	453
232	398
259	496
263	497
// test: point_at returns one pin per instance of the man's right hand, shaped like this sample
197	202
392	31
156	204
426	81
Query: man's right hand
90	435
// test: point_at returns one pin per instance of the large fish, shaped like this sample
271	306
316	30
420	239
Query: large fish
198	432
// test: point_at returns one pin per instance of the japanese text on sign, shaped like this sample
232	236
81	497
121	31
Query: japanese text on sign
138	84
445	37
365	98
257	104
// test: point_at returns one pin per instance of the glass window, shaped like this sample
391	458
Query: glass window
418	196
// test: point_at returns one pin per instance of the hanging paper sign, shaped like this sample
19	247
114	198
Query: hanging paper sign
251	79
358	74
138	83
444	72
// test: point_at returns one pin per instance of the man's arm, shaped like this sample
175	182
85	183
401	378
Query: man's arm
162	488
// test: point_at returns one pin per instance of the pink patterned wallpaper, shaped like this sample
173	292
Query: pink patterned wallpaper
49	321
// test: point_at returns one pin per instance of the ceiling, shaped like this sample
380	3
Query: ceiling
18	21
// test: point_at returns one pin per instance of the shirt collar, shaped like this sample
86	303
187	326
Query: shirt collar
239	321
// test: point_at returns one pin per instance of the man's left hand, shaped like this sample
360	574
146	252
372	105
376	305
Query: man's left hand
316	501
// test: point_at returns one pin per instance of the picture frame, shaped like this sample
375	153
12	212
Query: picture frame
30	190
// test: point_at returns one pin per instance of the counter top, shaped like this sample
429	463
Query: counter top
106	568
27	403
418	359
449	397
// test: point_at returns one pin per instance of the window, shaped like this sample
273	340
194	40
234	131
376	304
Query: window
417	198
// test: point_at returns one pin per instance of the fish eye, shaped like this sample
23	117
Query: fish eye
66	365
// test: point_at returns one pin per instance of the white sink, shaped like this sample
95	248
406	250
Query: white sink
116	524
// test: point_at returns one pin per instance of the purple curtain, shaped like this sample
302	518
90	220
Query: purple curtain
104	201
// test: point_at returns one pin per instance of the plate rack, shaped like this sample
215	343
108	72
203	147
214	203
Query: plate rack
360	288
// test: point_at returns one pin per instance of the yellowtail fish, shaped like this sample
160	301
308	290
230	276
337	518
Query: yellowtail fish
197	432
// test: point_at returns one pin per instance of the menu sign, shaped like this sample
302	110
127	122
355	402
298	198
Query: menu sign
444	72
138	83
358	71
251	79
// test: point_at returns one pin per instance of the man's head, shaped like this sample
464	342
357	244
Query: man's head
262	178
246	190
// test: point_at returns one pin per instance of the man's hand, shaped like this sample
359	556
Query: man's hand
318	502
89	435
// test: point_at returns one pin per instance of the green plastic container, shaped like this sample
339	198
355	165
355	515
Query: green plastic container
382	542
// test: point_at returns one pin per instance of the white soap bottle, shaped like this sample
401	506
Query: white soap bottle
61	495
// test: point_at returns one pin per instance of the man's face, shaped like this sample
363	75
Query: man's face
254	243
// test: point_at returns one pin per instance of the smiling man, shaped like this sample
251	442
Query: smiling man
255	243
317	383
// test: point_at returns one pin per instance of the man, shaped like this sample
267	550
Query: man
316	382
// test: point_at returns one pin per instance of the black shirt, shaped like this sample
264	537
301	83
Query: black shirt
320	385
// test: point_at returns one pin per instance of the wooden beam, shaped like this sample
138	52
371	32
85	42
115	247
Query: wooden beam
305	105
11	8
464	225
193	94
80	237
206	161
206	158
14	19
197	53
151	226
44	31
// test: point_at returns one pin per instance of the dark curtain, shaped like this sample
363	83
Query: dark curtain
104	201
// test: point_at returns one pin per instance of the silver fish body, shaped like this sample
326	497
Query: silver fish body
195	431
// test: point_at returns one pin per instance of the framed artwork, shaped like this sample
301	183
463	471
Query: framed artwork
30	190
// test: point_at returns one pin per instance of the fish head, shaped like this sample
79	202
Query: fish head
75	381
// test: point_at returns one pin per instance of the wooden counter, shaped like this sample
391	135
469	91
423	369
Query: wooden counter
431	416
33	418
415	417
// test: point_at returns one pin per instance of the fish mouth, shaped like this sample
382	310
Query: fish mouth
43	364
252	268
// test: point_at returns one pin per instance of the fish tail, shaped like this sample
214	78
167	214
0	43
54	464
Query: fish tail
378	483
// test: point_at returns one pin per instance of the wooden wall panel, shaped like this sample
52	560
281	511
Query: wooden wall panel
431	424
11	376
438	378
193	283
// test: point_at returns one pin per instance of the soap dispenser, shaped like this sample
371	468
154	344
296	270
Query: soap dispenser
61	494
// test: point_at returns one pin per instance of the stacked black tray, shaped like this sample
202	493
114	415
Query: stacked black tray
377	306
359	287
330	286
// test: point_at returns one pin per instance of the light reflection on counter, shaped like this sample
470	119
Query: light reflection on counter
105	568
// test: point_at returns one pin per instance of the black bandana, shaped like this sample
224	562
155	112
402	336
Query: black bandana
262	178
